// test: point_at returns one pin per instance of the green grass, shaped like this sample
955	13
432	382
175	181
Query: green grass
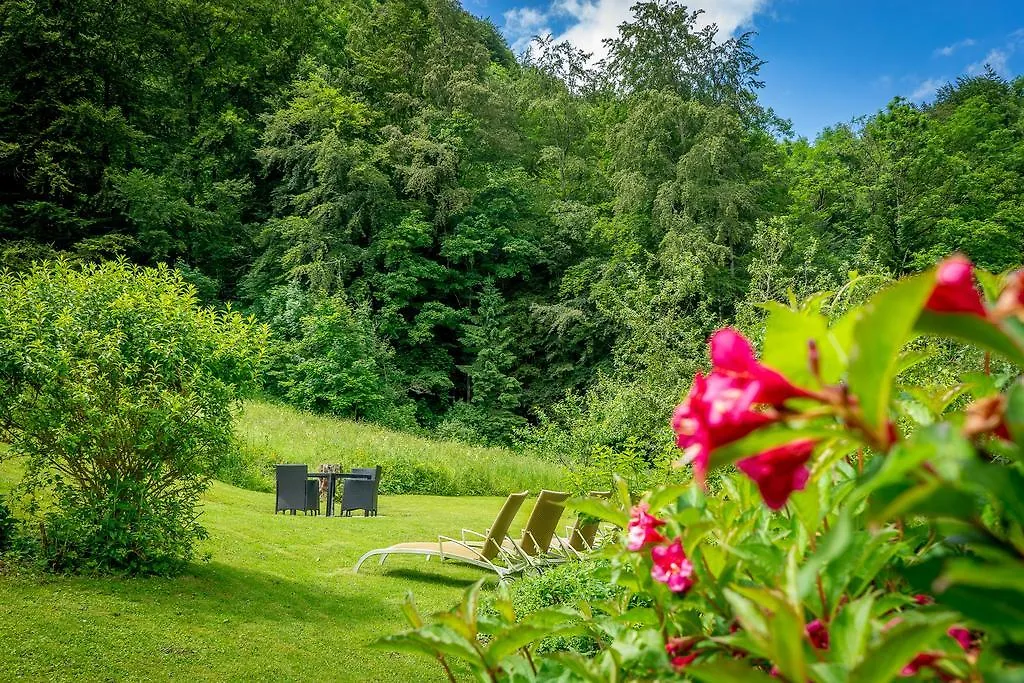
275	433
278	600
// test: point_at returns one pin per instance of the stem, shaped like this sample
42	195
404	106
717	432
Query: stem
825	615
447	669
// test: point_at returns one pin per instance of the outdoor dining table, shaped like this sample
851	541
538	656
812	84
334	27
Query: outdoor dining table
332	478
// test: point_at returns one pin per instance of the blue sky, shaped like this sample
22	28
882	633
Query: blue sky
827	61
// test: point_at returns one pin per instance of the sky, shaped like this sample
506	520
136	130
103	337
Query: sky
828	61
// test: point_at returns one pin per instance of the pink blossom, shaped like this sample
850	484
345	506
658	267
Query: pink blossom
954	290
643	528
962	636
716	412
733	356
671	566
921	661
779	471
818	634
680	651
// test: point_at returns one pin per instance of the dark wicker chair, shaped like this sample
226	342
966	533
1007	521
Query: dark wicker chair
361	494
294	490
312	496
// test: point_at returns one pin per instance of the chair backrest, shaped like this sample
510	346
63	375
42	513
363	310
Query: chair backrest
372	472
584	531
291	487
499	529
540	527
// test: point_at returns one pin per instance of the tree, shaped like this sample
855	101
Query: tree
119	391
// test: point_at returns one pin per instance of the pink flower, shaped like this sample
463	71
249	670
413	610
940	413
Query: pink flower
954	288
961	636
922	599
680	651
643	528
818	634
733	356
671	566
717	411
682	661
734	399
921	661
779	471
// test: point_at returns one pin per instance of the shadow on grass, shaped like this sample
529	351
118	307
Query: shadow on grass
221	591
428	577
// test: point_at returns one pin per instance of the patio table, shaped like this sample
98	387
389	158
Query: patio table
331	478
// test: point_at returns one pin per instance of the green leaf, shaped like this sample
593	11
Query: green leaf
878	337
668	494
832	546
974	330
899	646
727	671
1014	414
412	615
851	631
600	509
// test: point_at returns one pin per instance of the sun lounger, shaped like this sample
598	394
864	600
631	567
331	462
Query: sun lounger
492	553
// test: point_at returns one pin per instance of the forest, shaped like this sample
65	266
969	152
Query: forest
445	237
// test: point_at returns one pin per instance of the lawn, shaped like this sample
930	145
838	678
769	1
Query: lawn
277	601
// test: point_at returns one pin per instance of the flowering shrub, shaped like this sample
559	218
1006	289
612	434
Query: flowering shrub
850	545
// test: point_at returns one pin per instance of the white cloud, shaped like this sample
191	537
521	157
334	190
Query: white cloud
522	24
589	22
996	58
948	50
926	89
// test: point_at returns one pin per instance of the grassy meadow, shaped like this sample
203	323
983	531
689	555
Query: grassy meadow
278	599
276	433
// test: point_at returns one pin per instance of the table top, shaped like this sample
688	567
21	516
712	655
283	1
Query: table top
343	475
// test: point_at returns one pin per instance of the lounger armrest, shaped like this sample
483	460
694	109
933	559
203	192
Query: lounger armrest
470	532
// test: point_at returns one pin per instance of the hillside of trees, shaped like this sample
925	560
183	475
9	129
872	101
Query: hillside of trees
445	236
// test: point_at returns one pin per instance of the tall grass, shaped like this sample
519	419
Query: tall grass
270	433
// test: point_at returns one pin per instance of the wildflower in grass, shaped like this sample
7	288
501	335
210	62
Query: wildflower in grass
954	288
779	471
643	528
672	567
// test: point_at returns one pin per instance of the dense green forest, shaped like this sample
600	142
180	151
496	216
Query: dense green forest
445	236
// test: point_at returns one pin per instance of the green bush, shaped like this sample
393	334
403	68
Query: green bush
565	585
7	527
118	390
327	357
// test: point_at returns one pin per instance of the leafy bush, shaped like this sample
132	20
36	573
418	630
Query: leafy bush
842	548
327	357
118	390
7	527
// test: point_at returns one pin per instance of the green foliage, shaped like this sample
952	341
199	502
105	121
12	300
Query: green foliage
500	232
118	390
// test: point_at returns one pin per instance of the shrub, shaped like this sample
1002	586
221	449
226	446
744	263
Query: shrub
7	527
842	548
327	357
118	390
